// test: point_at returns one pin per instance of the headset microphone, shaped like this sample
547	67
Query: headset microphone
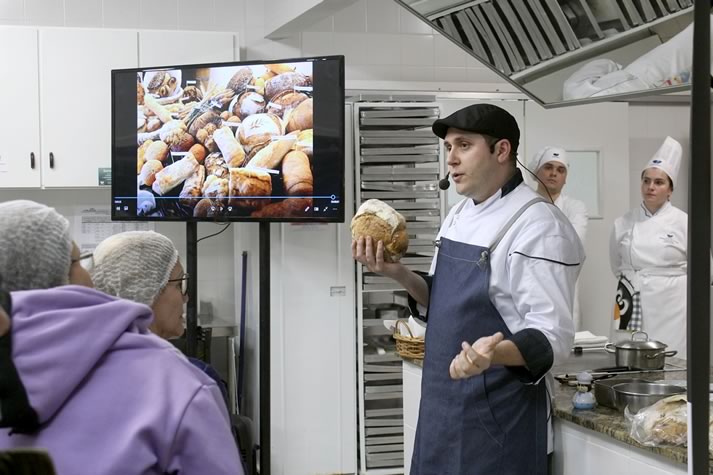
443	183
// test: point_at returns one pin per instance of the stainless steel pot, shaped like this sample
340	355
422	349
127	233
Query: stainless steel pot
639	394
604	390
640	354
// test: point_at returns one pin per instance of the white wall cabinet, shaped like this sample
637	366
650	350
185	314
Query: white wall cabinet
58	133
75	92
19	126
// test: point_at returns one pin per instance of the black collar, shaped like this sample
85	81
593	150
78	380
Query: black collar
510	185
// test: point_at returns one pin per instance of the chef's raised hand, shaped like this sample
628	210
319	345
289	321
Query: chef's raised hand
371	254
473	360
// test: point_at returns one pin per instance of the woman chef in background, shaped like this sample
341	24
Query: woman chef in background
648	254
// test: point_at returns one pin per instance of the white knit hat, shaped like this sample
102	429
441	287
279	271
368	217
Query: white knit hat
134	265
548	154
667	158
35	246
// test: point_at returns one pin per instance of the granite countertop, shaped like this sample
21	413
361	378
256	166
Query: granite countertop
603	419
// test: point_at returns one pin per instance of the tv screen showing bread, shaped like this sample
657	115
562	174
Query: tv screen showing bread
242	141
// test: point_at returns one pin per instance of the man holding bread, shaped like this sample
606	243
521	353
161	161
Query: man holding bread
499	306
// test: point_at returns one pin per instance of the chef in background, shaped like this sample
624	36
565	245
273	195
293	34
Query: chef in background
551	166
648	253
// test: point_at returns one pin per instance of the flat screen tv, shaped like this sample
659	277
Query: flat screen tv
241	141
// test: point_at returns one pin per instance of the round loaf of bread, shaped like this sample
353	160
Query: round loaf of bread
383	223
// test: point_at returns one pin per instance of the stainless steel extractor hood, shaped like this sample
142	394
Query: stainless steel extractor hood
572	51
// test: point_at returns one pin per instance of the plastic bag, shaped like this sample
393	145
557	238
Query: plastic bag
663	423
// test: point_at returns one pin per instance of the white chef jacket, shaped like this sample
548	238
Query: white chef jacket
533	269
576	212
651	251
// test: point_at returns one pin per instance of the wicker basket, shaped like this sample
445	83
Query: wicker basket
408	346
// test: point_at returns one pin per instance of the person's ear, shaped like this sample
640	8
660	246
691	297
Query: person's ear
502	148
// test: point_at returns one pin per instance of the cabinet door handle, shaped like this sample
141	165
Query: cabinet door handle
51	160
32	160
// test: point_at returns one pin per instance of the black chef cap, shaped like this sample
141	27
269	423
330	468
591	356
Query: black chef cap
486	119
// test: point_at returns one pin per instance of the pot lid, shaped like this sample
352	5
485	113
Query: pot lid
640	344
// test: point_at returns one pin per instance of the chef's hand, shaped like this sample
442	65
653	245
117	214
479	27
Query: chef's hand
473	360
371	254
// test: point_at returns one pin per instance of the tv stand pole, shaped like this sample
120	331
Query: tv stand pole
192	306
264	348
264	290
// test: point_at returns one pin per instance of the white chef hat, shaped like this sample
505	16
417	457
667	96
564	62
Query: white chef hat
667	158
134	265
548	154
35	246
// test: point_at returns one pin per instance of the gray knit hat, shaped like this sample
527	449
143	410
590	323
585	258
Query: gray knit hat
133	265
35	246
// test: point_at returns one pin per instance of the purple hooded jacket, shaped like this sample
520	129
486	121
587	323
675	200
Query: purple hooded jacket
111	397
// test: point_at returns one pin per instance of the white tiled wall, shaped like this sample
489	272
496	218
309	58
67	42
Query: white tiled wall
11	9
121	13
384	42
380	40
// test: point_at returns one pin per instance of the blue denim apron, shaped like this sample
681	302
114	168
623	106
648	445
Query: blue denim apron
487	424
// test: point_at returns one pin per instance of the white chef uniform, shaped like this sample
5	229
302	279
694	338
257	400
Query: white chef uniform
650	250
574	209
534	267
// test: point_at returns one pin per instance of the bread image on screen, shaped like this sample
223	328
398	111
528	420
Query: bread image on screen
383	223
211	142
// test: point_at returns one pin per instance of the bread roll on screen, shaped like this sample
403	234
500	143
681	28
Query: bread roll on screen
383	223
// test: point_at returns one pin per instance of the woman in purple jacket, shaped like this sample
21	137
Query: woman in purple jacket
143	266
110	396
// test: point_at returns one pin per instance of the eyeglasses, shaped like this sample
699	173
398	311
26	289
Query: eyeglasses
83	257
184	283
86	255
